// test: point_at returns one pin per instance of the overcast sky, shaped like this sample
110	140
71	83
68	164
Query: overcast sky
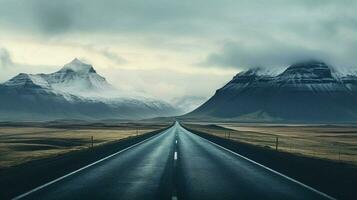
170	49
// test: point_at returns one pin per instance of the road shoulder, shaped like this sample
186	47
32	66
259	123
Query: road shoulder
333	178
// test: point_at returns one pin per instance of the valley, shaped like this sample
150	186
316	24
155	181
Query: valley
178	100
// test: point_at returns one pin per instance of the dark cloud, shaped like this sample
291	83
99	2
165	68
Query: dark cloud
163	16
55	16
263	32
5	58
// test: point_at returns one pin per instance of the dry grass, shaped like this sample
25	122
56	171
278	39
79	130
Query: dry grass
328	142
22	144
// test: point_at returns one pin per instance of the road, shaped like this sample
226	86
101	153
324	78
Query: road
175	164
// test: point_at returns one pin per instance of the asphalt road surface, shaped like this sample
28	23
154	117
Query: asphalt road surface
174	164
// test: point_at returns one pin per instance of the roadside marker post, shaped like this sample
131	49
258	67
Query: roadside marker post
276	143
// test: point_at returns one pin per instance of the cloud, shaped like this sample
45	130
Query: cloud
54	17
112	56
99	49
5	58
267	54
105	52
278	54
306	28
188	103
166	17
225	34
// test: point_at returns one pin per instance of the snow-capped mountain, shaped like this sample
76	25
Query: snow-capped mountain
305	92
75	91
76	78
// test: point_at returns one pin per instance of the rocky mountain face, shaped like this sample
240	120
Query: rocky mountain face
74	92
305	92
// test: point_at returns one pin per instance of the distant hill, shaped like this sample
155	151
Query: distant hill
305	92
74	92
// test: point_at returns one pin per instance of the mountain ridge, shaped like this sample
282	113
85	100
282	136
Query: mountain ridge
75	91
306	91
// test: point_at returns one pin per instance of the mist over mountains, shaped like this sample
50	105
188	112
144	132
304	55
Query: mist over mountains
76	91
309	91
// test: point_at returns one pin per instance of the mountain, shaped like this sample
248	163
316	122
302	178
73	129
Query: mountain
76	91
305	92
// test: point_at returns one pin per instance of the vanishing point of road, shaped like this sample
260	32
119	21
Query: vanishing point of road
174	164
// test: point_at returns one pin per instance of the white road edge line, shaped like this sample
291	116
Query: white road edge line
85	167
269	169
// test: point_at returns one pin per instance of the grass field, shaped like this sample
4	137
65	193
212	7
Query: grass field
20	144
337	143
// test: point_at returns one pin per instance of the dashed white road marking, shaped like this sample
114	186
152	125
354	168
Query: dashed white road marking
175	155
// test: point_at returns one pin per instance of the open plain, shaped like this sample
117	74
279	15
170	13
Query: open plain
26	142
337	143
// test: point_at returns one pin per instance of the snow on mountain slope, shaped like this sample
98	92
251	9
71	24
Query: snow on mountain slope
75	78
312	76
75	91
308	71
79	67
27	80
79	79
